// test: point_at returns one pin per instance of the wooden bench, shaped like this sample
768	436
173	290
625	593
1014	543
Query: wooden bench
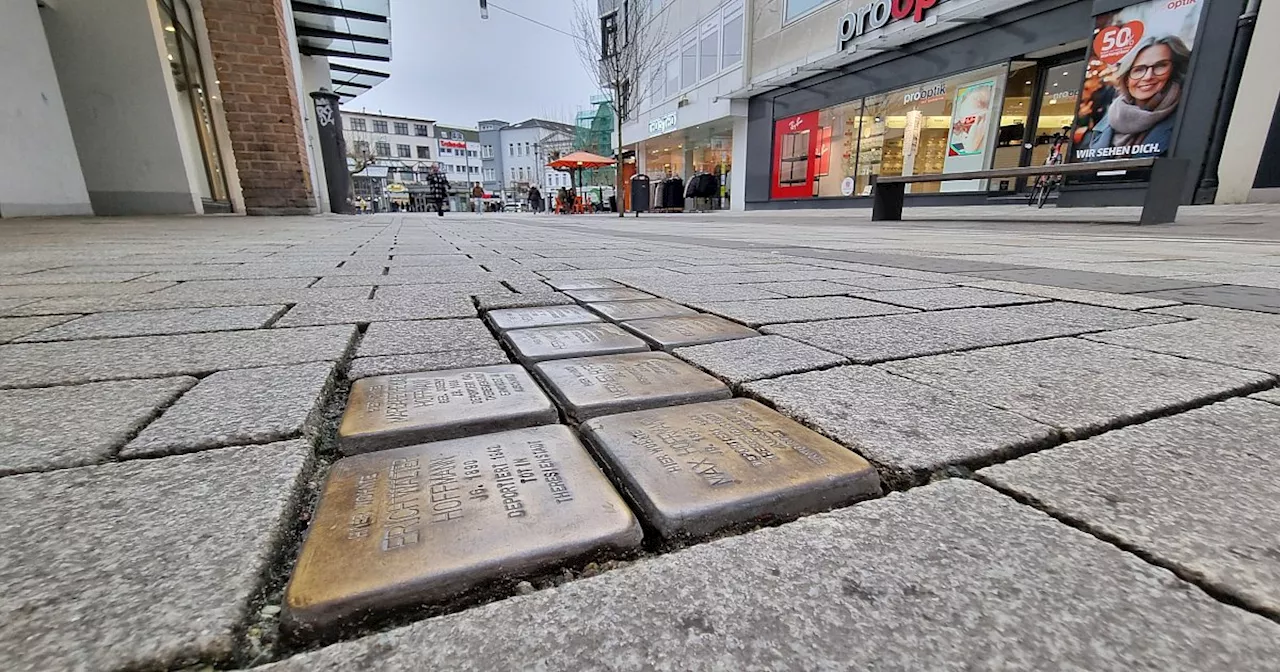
1159	206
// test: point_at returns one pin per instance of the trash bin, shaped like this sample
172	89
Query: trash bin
640	193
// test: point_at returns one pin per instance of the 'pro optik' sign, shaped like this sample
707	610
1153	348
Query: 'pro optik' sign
877	14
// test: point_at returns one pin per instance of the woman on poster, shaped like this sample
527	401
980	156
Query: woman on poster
1141	117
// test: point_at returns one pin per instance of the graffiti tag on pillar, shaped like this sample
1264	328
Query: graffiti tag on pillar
324	113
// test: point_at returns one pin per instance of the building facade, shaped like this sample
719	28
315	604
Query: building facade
173	106
844	90
686	122
491	175
389	157
526	148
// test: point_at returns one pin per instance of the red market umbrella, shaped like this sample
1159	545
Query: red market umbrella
580	160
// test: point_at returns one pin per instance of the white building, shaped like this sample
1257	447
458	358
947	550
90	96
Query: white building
398	152
685	123
458	152
526	148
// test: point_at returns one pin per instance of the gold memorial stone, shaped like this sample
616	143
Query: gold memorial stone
621	311
676	332
618	294
572	340
541	316
586	387
697	469
426	523
403	409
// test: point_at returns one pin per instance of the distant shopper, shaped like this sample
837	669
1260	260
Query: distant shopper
535	199
477	197
437	189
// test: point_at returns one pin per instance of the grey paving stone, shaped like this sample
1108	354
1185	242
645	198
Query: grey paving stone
102	289
620	311
376	310
1090	280
804	288
1217	313
1079	386
571	340
1272	396
161	301
588	387
1244	344
158	322
403	337
7	305
203	287
12	328
583	283
38	364
693	290
155	564
759	357
1093	317
772	311
239	407
898	583
487	355
878	339
73	425
907	429
415	292
767	276
669	333
888	283
524	318
698	469
947	297
59	277
522	300
608	294
1107	299
1261	299
1196	492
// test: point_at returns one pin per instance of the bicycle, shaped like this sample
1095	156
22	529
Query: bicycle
1045	184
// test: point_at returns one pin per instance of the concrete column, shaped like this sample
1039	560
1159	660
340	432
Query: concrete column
253	54
122	106
738	170
315	76
1251	118
39	169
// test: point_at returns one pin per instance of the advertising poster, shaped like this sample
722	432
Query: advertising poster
967	139
1135	80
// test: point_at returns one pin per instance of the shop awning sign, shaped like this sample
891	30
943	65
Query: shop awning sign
878	14
663	124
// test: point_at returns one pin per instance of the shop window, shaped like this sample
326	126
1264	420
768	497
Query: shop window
402	128
942	126
689	60
731	49
709	49
673	71
379	126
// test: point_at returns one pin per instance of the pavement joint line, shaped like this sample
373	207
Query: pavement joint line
1119	543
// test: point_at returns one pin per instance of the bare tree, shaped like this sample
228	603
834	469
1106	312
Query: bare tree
359	151
619	42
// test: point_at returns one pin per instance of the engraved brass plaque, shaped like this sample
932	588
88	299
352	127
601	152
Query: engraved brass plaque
572	340
621	311
402	409
586	387
675	332
542	316
618	294
425	523
583	283
697	469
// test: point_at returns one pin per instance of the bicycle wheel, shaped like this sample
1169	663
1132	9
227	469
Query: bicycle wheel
1043	194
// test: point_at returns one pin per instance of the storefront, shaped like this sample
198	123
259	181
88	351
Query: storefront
705	148
1036	81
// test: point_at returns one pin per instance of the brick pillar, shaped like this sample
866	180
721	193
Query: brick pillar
252	56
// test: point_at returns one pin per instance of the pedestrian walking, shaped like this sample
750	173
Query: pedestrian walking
477	197
437	189
535	199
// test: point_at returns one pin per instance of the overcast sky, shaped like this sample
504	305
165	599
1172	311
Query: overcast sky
449	65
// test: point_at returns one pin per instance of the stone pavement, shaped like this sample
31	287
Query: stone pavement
710	441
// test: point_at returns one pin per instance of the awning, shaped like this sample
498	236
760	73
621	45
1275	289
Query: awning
345	29
577	160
